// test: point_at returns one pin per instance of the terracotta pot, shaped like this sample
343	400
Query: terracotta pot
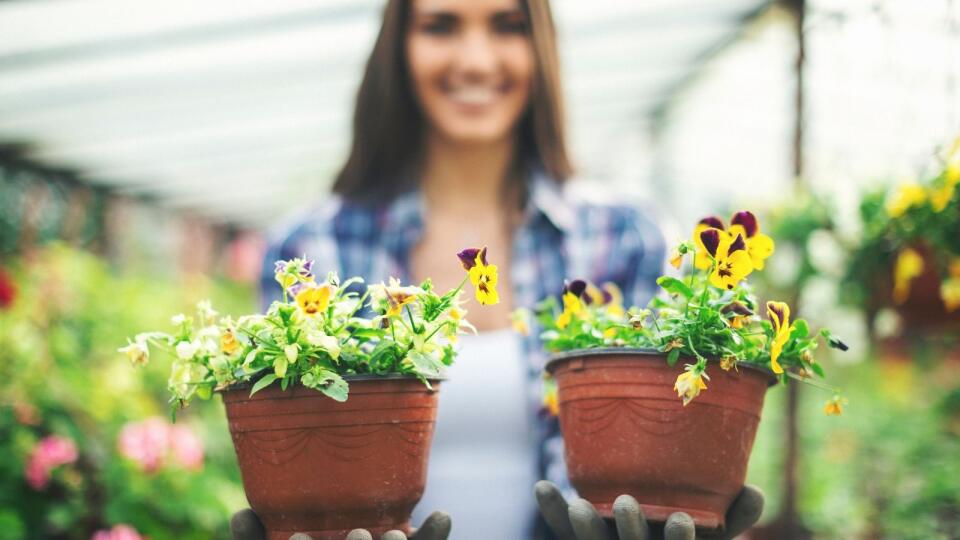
626	431
313	465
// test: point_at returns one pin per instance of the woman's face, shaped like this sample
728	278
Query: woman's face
471	65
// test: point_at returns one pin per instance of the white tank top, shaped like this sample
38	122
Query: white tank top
483	460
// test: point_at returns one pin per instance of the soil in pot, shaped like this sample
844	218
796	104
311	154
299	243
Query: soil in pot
626	431
313	465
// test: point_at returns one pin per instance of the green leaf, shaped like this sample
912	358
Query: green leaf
674	286
263	383
204	391
425	364
337	388
818	370
800	329
672	357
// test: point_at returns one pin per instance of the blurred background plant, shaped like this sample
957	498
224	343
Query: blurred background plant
86	443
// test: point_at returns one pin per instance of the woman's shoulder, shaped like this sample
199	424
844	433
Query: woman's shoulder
600	210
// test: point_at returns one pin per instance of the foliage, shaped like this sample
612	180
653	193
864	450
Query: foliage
707	314
917	216
316	336
59	378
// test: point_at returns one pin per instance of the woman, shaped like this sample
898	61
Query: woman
458	140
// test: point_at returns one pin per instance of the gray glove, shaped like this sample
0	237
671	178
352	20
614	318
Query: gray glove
580	521
245	525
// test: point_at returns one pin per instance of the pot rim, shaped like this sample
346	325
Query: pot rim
556	359
349	378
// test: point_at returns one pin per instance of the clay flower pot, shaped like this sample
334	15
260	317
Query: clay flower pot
626	431
313	465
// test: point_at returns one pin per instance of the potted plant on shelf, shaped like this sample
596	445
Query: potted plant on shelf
331	412
619	374
908	256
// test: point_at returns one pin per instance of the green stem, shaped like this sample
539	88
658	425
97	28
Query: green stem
812	382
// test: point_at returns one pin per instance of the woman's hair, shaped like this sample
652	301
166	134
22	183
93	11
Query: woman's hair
388	126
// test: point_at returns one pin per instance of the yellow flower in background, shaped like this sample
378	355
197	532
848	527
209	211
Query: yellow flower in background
907	196
727	363
940	197
779	314
613	299
759	246
519	320
690	383
732	263
908	266
228	342
834	406
137	352
950	294
952	173
676	259
313	299
610	333
482	275
550	402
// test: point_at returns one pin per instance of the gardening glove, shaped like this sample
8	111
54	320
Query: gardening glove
245	525
580	521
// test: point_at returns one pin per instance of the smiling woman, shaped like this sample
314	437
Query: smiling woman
458	139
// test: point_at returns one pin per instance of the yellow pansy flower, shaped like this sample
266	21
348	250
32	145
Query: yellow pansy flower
701	258
482	275
908	266
729	252
907	196
737	314
727	363
834	406
779	313
228	342
689	384
572	306
313	299
759	245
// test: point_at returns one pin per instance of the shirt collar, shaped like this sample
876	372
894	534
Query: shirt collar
547	198
404	215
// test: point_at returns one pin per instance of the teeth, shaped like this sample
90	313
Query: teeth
474	95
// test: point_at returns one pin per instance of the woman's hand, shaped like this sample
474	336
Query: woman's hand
580	521
245	525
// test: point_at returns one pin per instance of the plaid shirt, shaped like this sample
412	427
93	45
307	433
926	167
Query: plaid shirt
558	239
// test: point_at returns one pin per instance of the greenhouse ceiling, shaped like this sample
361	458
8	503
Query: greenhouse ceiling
234	108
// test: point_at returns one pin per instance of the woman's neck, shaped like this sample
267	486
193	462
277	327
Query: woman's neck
458	177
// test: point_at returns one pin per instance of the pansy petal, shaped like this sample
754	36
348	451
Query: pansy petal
710	239
468	258
712	222
746	220
760	247
738	244
577	287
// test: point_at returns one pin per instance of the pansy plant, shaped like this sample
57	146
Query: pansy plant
711	313
318	333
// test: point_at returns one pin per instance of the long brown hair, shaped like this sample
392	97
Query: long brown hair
388	127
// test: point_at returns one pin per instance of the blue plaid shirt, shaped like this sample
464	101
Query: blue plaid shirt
558	239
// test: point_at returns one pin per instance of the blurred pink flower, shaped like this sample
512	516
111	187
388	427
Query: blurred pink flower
118	532
52	451
8	291
152	442
145	443
187	448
